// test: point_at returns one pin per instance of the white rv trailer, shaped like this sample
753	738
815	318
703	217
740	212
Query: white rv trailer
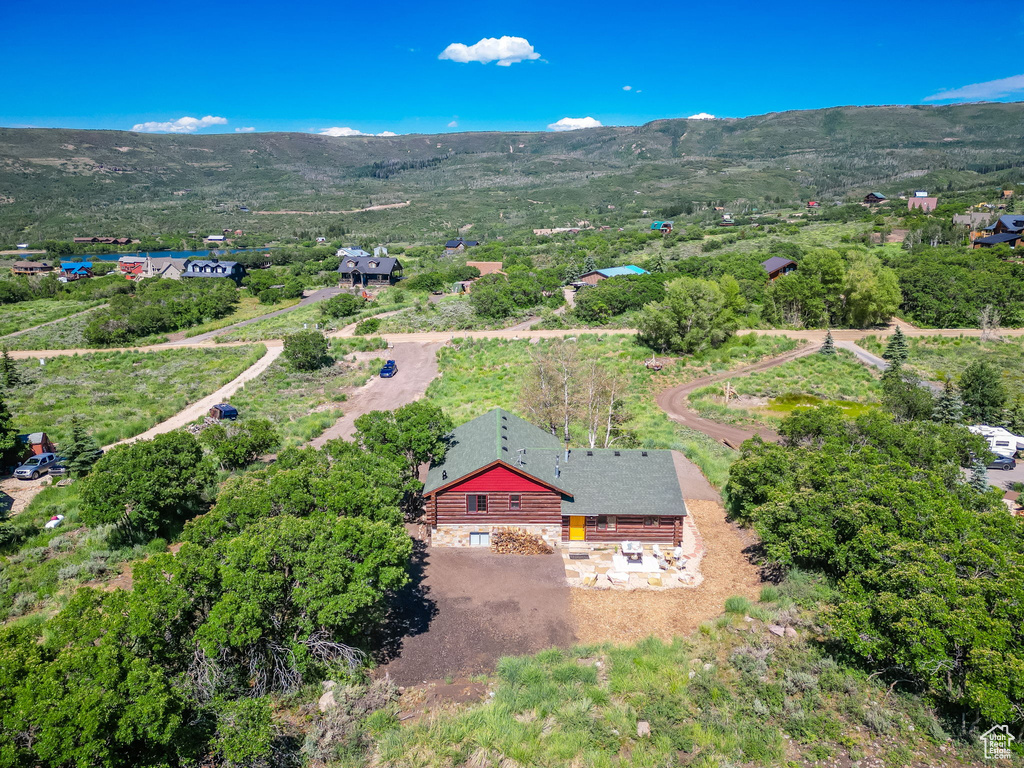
1001	442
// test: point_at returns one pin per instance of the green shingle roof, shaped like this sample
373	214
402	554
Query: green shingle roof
602	481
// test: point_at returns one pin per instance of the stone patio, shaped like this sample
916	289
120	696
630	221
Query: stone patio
604	568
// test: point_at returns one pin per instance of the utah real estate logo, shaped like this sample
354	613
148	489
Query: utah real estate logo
997	740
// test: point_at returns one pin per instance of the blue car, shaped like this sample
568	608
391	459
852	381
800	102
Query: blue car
390	369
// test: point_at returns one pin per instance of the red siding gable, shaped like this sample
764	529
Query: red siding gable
497	478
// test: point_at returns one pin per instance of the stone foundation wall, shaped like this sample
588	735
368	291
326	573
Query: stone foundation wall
458	535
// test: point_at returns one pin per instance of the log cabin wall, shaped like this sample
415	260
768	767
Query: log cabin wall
535	508
630	528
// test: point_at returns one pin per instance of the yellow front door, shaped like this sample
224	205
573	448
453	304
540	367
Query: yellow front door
577	528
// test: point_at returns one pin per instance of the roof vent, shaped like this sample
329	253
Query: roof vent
617	453
444	474
643	453
504	448
504	418
505	437
504	426
590	453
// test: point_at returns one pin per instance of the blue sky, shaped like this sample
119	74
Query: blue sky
375	67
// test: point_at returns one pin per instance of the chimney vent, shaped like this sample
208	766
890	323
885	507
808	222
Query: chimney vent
617	453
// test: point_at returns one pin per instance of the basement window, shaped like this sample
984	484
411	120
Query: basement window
476	503
606	522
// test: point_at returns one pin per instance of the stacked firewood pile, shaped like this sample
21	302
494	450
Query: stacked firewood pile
516	541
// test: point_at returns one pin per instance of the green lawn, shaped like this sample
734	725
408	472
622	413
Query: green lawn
26	314
303	404
120	394
480	374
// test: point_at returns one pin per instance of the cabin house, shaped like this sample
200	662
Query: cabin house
926	204
131	266
990	241
777	266
662	226
165	266
813	204
874	198
214	268
30	268
597	275
103	240
214	238
458	245
502	471
1012	223
75	270
370	270
37	443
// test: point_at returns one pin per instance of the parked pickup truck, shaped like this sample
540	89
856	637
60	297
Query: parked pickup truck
390	369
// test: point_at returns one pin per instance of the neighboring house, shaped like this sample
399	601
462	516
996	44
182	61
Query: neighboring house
370	270
662	226
1011	223
103	240
777	266
165	266
1006	238
215	238
458	245
75	270
976	220
920	193
595	277
321	239
501	471
813	204
131	266
30	268
486	267
214	268
1007	194
874	198
351	252
925	204
37	443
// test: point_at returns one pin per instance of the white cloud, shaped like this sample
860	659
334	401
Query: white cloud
627	87
993	89
351	132
248	129
504	50
181	125
574	124
701	116
453	124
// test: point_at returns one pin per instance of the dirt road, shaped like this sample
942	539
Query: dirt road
675	401
200	407
417	367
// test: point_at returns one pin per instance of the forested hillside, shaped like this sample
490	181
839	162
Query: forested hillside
59	183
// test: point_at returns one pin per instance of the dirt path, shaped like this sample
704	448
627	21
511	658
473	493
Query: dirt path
675	401
417	367
51	322
200	407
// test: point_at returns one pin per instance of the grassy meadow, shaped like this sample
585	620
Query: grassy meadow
120	394
480	374
28	314
247	308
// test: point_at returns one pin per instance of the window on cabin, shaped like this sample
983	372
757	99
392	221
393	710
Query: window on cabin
651	522
515	502
606	522
476	503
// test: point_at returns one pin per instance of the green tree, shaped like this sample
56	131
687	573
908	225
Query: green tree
829	346
872	291
245	732
571	273
148	487
10	377
904	395
656	266
949	408
896	350
238	444
983	394
589	264
416	433
306	350
80	451
691	318
342	306
10	449
979	476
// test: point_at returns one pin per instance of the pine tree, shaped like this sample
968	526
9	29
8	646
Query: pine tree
589	264
979	476
572	272
949	408
897	350
9	375
80	451
656	265
8	437
829	347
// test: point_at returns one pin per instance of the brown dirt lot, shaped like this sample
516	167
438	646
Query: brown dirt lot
626	617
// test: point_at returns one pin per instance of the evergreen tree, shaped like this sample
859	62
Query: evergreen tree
9	375
983	394
589	264
80	451
829	347
979	476
8	437
897	350
656	265
949	408
572	272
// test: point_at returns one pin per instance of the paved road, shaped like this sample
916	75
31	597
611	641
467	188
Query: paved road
313	298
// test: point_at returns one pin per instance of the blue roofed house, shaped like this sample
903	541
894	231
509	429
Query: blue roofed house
215	268
75	270
662	226
597	275
458	245
351	252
